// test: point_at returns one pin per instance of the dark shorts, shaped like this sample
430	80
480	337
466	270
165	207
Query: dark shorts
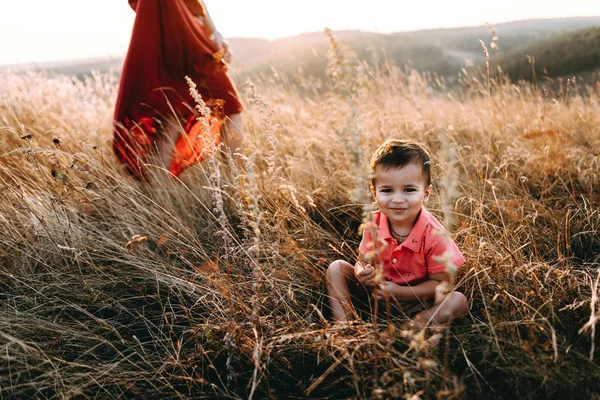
362	299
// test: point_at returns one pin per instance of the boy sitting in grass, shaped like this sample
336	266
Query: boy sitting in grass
410	247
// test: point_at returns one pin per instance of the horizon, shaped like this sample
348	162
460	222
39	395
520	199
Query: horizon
62	38
104	58
59	62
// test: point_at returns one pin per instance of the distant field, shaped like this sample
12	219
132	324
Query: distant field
212	285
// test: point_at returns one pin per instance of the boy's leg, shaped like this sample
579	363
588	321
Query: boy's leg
453	306
337	277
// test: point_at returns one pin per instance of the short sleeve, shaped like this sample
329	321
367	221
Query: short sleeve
366	244
442	253
133	4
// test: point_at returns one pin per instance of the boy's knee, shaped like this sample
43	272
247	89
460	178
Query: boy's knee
459	305
335	267
455	306
338	267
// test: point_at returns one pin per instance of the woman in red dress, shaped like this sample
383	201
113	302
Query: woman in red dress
155	117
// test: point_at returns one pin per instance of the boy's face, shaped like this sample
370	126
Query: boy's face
400	193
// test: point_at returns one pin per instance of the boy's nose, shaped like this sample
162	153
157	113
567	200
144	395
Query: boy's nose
398	198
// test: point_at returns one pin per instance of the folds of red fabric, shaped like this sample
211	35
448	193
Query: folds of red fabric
167	44
195	6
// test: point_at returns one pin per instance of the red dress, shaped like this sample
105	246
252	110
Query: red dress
168	44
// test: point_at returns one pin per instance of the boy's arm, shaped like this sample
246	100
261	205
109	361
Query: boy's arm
423	291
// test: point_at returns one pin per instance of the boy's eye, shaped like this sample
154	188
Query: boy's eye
385	190
410	190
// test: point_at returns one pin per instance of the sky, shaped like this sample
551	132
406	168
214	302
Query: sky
38	31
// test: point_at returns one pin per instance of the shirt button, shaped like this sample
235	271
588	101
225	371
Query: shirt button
393	261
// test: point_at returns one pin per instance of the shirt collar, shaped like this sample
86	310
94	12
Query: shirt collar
413	241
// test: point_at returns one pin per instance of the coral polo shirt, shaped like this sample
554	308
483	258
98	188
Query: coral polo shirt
428	249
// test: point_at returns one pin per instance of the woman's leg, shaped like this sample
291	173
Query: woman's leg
165	143
233	137
161	156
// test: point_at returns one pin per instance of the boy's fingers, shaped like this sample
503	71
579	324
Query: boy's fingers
380	291
377	294
367	267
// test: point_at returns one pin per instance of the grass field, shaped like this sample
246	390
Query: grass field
212	285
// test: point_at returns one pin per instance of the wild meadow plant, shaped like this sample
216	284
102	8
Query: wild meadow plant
212	285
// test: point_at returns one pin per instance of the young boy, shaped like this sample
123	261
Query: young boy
410	245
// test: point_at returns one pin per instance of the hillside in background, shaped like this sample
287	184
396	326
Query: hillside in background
308	53
511	34
442	51
77	68
571	53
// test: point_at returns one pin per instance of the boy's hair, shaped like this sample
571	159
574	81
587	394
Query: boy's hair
396	153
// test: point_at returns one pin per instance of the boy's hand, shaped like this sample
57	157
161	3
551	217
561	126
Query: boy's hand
366	275
442	291
383	291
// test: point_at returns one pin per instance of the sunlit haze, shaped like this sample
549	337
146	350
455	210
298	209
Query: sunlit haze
36	31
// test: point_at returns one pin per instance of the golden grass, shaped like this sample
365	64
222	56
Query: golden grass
213	285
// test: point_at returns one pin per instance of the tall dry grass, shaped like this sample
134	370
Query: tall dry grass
212	285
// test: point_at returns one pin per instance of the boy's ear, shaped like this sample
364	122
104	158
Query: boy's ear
372	190
427	193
